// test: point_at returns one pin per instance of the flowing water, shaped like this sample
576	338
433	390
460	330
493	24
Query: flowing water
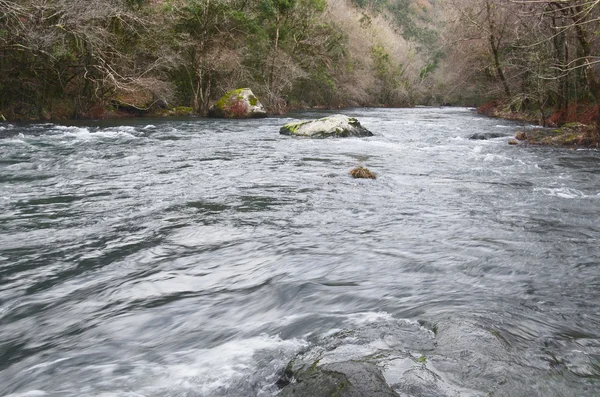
196	257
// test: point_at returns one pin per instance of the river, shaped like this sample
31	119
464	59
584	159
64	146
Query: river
196	257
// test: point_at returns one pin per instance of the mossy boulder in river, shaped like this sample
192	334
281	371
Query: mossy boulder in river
345	379
238	104
333	126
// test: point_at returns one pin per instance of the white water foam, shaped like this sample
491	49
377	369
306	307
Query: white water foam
19	139
563	192
71	129
121	129
369	318
31	393
211	372
86	133
457	138
235	368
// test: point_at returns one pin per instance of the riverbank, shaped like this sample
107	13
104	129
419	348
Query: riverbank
572	128
569	135
131	112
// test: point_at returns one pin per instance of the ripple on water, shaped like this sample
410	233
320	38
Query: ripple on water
197	257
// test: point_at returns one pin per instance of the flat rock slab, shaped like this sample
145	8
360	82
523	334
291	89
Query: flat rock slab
333	126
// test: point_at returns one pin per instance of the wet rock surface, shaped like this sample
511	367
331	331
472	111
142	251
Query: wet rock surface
344	379
238	104
569	135
374	360
483	136
451	358
332	126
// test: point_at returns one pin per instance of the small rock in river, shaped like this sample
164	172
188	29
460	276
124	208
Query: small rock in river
521	136
362	172
486	136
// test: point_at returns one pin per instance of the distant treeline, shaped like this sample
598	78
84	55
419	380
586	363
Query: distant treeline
76	58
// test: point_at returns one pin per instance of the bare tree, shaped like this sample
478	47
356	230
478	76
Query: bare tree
579	21
493	22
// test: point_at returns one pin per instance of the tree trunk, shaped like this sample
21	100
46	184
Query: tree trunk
498	66
275	48
592	79
495	47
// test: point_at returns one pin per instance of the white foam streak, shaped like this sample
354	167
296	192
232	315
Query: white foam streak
31	393
563	192
369	317
86	133
210	372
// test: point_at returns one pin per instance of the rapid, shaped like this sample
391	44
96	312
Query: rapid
196	257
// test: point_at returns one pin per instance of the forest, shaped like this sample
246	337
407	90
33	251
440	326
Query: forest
66	59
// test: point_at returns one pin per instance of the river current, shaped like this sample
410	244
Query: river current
196	257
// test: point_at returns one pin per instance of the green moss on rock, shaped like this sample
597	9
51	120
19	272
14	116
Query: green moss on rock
332	126
237	104
292	128
570	135
345	379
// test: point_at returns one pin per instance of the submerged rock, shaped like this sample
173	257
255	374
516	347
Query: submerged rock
377	359
453	357
486	136
238	104
345	379
333	126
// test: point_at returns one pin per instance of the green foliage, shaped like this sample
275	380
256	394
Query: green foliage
58	62
273	8
390	76
429	68
376	5
403	15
